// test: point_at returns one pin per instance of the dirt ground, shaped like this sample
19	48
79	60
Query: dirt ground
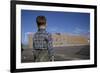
61	53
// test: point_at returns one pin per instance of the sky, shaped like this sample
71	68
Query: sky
57	22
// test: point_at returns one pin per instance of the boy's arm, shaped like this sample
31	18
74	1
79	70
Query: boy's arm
33	51
50	47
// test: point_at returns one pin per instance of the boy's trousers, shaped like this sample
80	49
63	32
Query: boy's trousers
41	55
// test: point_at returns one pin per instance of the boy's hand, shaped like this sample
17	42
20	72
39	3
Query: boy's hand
52	58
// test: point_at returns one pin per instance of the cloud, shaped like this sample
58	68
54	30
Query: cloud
82	32
78	30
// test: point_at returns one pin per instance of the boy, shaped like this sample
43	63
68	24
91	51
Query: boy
42	42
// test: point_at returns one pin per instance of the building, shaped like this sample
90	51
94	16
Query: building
60	39
68	40
30	40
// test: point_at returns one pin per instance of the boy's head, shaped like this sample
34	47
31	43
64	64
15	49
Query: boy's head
41	22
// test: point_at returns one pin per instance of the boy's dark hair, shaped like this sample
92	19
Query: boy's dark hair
41	20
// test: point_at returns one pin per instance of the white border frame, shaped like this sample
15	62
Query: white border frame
20	65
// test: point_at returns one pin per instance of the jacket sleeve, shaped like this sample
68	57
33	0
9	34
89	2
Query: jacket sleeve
50	45
33	43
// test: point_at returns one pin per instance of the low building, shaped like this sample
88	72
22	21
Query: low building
60	39
68	40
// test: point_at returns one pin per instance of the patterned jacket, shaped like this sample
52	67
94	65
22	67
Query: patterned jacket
43	40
